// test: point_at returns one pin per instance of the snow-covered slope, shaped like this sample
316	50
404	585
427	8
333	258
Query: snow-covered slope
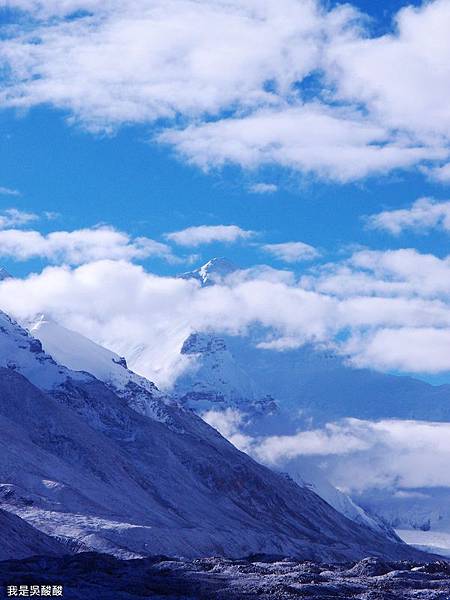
215	382
79	353
21	540
77	462
22	353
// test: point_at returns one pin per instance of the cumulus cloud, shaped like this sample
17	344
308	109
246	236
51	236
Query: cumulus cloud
75	247
332	142
440	173
236	73
362	455
142	60
127	309
388	310
423	215
378	312
228	422
405	272
333	439
13	217
292	252
207	234
401	77
404	349
356	455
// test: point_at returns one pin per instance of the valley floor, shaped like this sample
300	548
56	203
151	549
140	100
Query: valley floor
92	576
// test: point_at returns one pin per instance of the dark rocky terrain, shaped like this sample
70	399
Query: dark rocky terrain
91	576
19	539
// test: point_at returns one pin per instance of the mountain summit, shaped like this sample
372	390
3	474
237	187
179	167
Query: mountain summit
214	271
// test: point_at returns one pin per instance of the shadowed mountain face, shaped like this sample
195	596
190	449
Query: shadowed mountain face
20	540
215	382
78	463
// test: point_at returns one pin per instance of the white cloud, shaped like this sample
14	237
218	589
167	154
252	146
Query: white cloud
425	349
423	215
121	306
333	439
13	217
145	59
292	252
263	188
79	246
401	77
441	173
207	234
334	143
5	191
228	422
405	272
356	455
380	102
362	455
385	310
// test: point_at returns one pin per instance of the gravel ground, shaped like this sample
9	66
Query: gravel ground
91	576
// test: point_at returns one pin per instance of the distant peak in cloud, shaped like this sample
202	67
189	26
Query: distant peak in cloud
212	272
207	234
422	216
292	252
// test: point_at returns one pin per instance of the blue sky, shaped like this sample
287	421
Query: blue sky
131	184
293	122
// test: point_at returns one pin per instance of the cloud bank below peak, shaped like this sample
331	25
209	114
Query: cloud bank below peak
290	84
377	308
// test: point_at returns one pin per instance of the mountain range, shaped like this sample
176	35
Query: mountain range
84	463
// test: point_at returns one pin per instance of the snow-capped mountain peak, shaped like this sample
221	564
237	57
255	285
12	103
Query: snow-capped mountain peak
213	379
23	353
214	271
